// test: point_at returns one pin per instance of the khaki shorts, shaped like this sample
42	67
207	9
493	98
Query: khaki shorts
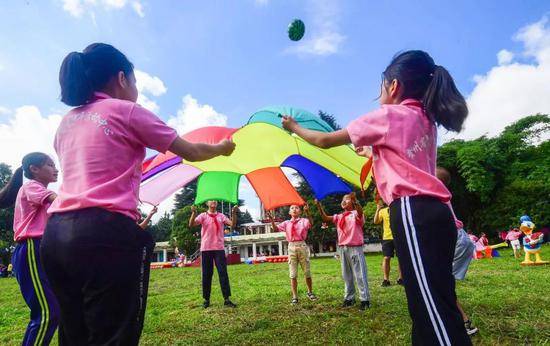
298	253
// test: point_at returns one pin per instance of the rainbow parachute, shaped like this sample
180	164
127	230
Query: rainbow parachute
262	148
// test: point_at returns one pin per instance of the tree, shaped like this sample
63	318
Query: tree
186	239
162	229
329	119
185	197
6	219
496	180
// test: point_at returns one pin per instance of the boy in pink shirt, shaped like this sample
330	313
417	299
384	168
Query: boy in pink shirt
416	96
298	251
212	248
95	255
30	217
349	226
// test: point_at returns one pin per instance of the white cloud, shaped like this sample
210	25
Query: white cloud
193	115
77	8
148	85
511	91
27	130
138	7
505	57
4	111
322	35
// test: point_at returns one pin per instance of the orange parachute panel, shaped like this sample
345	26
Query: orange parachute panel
273	188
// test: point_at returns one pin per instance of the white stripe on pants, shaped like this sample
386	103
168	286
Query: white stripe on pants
354	269
410	233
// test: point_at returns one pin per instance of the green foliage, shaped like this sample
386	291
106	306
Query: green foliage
162	229
496	180
184	238
330	119
6	219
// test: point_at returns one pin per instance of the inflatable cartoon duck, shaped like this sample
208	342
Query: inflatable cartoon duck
532	242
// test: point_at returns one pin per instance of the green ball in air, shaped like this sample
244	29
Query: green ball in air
296	30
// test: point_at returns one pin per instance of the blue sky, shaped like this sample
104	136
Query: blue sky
233	57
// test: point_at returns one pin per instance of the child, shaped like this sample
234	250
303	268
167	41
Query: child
349	226
513	236
212	249
31	203
382	216
95	255
298	251
463	253
416	96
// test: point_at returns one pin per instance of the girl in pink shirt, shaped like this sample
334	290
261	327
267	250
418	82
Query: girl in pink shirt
96	256
213	249
349	226
416	96
296	230
32	199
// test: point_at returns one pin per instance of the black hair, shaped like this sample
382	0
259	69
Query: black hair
8	194
423	80
81	74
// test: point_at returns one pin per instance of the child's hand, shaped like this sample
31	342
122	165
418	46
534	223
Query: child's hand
193	209
289	123
365	151
235	209
153	211
306	207
226	147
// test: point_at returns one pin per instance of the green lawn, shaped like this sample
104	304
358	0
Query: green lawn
509	303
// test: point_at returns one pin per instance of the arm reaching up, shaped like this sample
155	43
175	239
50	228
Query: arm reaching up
308	214
192	222
143	224
324	216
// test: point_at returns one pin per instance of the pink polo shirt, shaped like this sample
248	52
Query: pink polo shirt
30	217
513	235
404	147
212	230
101	146
295	229
350	231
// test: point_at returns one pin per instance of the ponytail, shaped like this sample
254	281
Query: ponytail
8	194
82	74
431	84
76	89
443	102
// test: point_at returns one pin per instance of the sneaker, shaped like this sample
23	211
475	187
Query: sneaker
364	305
311	296
470	330
229	304
386	283
348	303
294	301
400	282
206	304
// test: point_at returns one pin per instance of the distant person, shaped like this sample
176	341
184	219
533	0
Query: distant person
382	216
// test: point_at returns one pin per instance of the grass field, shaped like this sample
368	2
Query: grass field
509	303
